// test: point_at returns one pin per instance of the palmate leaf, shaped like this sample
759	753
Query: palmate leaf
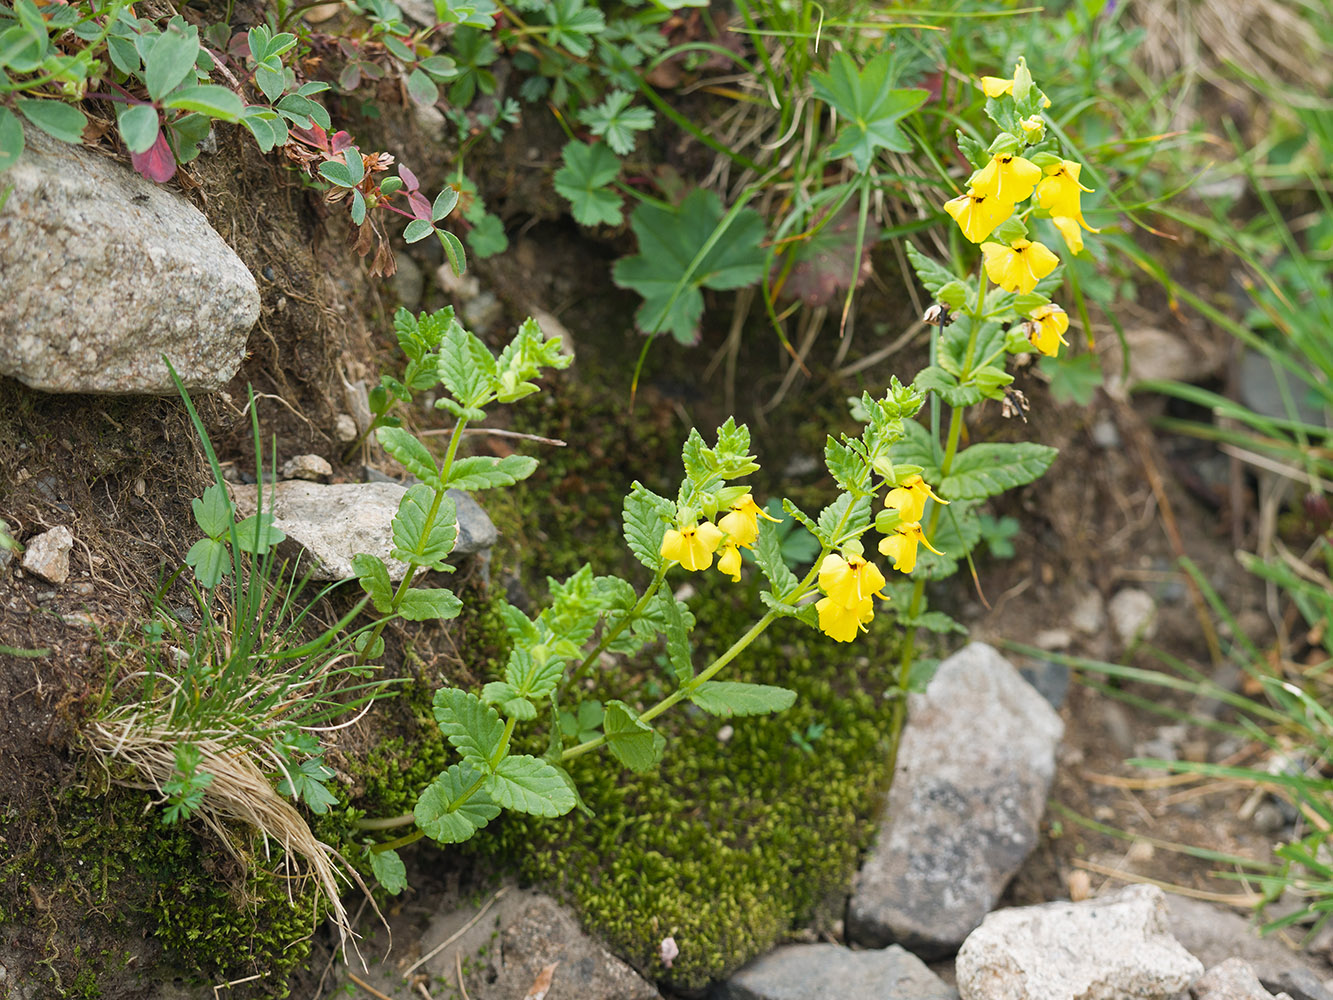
444	815
669	240
616	122
583	182
869	105
984	470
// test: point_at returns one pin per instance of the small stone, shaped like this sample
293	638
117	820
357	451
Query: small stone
725	734
822	971
1106	435
1050	679
1112	948
1088	615
483	313
462	288
309	467
83	588
1053	639
1215	933
1133	615
1268	818
344	428
47	555
1232	980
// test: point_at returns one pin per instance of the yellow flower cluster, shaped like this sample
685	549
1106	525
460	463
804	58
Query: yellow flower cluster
994	193
692	545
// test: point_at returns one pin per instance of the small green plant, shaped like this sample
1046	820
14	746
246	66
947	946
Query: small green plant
714	516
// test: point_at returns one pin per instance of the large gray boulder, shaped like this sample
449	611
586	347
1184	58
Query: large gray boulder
821	971
974	767
1113	948
103	272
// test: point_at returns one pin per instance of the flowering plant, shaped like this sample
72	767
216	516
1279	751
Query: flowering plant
927	523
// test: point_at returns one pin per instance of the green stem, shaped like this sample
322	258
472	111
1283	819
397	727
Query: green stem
403	841
620	626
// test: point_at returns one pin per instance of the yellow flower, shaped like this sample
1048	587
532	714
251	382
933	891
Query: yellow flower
909	498
1070	232
1019	266
995	86
1046	329
741	523
901	546
729	562
692	545
1058	191
841	623
1033	128
1007	177
977	214
849	581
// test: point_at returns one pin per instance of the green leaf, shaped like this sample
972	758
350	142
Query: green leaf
412	544
529	677
728	698
1074	378
307	783
216	102
389	871
928	271
417	230
210	561
645	520
487	237
170	61
572	25
453	249
845	517
11	139
845	464
373	576
633	742
56	118
421	88
473	728
213	512
410	453
442	812
664	272
445	202
868	105
583	182
945	385
138	127
677	627
484	472
256	534
617	122
530	785
425	604
337	173
984	470
768	554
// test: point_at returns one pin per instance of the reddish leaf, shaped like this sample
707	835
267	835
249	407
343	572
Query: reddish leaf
409	179
159	163
340	141
420	206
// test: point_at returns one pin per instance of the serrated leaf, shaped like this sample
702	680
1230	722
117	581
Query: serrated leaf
728	698
485	472
56	118
633	742
868	105
210	561
844	464
768	554
583	181
442	812
466	368
530	785
411	540
389	871
529	677
929	272
843	518
664	272
616	122
373	576
645	522
472	727
984	470
935	379
213	511
425	604
677	630
410	453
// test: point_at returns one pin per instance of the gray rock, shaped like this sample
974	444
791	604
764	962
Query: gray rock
103	272
1301	984
1113	948
975	764
334	523
1262	393
821	971
47	555
1215	933
309	467
1232	980
1133	615
344	428
1051	680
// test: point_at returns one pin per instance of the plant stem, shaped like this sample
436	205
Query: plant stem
620	626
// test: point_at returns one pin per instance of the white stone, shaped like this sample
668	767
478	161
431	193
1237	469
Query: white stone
152	278
47	555
1233	979
1133	615
344	428
311	467
1112	948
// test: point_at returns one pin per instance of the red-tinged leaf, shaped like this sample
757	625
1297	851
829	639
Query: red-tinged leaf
409	179
159	163
420	206
340	141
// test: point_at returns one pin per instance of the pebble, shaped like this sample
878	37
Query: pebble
309	467
47	555
823	971
1232	980
344	428
1133	615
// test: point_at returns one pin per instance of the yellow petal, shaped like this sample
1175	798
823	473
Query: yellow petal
730	563
995	86
1069	232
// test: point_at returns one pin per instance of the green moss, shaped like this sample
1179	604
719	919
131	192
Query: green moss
103	870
